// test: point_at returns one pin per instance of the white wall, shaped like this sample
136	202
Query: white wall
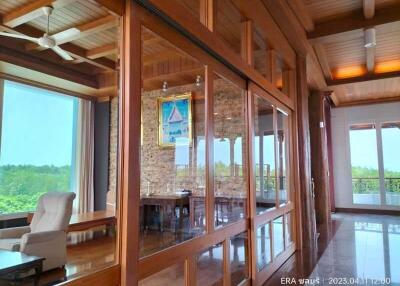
341	119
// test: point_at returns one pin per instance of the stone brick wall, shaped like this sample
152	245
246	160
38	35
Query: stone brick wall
113	157
160	174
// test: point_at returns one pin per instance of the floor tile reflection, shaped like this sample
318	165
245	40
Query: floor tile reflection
361	249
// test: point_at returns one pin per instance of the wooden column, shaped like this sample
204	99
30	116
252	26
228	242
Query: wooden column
130	146
319	155
247	42
305	221
328	105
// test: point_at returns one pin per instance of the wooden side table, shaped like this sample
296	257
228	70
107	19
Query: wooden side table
13	264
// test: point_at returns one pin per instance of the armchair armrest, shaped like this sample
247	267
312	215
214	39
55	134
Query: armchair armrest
42	237
14	232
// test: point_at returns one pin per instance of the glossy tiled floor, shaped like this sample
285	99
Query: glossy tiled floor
356	249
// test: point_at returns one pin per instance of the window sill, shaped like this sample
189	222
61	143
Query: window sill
4	217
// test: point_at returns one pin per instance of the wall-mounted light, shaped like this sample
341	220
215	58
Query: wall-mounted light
198	80
370	38
165	86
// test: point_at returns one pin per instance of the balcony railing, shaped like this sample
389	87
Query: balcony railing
367	191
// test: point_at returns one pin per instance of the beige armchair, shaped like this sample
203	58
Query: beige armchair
46	235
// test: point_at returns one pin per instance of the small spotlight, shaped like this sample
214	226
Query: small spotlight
165	86
370	38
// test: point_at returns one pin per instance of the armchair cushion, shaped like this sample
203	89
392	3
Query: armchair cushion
41	237
15	232
53	212
48	244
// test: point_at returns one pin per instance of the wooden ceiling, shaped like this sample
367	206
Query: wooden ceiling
88	30
330	32
336	30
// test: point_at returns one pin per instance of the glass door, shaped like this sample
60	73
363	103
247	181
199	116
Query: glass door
271	199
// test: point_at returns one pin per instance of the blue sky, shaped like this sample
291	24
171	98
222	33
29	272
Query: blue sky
36	130
364	151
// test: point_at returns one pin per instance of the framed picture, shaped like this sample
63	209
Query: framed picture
175	120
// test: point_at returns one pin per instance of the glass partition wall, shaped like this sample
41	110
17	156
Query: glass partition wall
270	184
195	146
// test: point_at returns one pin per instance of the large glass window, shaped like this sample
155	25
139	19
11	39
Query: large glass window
38	134
391	162
375	163
364	165
229	152
172	194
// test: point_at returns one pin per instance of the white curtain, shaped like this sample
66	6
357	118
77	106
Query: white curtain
84	161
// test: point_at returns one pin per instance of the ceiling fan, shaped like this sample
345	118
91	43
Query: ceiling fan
46	41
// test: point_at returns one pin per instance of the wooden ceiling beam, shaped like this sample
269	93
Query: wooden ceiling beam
366	77
31	11
323	60
256	11
79	31
300	10
354	23
102	51
18	58
115	7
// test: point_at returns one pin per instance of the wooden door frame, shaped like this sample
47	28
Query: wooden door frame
259	277
185	251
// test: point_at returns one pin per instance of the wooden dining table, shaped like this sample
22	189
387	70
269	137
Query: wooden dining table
164	202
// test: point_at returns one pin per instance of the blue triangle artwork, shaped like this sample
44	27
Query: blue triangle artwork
175	125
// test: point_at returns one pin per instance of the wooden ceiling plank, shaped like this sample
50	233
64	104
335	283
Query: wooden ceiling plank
79	31
355	22
300	10
31	11
115	7
323	60
369	8
102	51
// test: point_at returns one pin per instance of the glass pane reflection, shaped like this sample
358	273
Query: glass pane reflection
239	258
263	246
283	156
172	276
264	155
210	266
288	229
229	152
278	236
172	151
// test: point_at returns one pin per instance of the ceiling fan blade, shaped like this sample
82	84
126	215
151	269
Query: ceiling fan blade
17	36
66	36
62	53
